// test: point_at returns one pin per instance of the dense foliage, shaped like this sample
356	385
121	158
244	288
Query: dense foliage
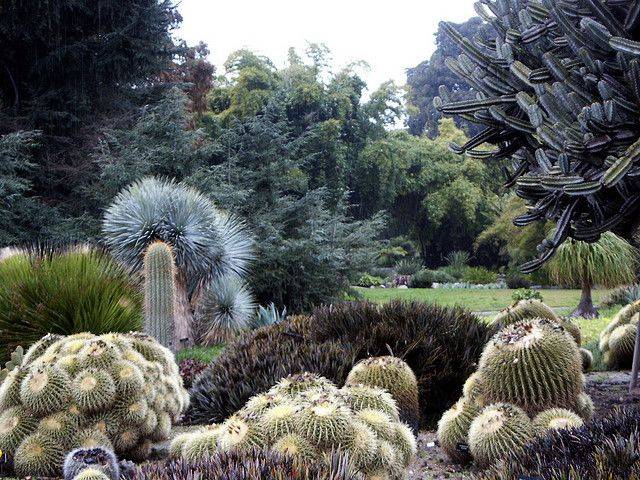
64	292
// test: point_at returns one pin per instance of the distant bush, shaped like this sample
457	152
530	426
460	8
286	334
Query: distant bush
408	266
514	279
457	262
526	294
367	280
426	278
479	276
64	291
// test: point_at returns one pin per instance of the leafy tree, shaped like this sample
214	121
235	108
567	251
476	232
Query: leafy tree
609	262
424	80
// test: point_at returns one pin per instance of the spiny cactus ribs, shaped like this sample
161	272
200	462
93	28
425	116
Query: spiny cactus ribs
114	391
558	91
304	416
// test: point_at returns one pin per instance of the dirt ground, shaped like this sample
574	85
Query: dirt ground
607	389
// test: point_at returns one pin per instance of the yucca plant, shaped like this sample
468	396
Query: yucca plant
558	93
226	308
609	262
207	243
63	292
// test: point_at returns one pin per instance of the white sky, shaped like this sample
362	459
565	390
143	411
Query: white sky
390	35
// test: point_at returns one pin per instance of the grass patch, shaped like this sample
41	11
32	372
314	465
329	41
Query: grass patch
204	354
476	300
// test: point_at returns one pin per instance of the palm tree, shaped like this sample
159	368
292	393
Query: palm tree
611	261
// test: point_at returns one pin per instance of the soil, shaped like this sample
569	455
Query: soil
607	390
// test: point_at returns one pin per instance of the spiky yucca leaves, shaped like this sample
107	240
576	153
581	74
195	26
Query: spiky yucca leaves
499	430
63	292
251	465
442	345
159	293
556	91
38	455
453	429
104	404
555	419
534	364
607	448
395	376
227	307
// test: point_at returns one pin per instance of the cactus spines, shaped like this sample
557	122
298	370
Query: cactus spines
377	421
197	446
621	343
587	359
38	455
10	388
237	433
93	390
91	438
37	349
60	426
45	389
178	442
498	430
91	474
127	377
132	411
534	364
98	353
388	459
99	459
126	438
585	407
362	446
325	421
280	420
260	403
453	429
405	443
293	445
159	293
14	362
301	382
15	424
395	376
359	397
555	419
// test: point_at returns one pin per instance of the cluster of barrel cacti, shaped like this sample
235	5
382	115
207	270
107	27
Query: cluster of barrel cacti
617	340
557	93
529	381
534	308
307	417
120	391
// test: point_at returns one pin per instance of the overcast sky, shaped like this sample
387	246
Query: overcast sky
390	35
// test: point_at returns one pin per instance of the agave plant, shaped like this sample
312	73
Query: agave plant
558	92
207	243
227	307
63	292
270	315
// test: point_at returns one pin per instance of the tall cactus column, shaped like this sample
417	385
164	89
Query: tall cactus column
159	294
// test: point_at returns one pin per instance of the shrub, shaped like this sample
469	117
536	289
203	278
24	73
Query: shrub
440	344
408	266
479	276
254	465
254	362
457	263
607	448
526	294
516	280
119	391
426	278
366	280
190	368
64	292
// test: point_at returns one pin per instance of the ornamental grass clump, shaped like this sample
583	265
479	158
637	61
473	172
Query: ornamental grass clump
306	418
118	391
529	382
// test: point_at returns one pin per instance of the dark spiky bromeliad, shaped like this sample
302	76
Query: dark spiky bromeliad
558	91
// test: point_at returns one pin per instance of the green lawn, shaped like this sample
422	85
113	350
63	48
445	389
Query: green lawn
476	300
204	354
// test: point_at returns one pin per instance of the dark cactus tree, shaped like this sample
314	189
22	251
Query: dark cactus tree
558	92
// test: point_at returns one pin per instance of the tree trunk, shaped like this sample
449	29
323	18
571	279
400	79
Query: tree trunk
183	315
636	363
585	307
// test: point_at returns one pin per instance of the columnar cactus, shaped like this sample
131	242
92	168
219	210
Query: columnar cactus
159	293
115	391
557	90
306	417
